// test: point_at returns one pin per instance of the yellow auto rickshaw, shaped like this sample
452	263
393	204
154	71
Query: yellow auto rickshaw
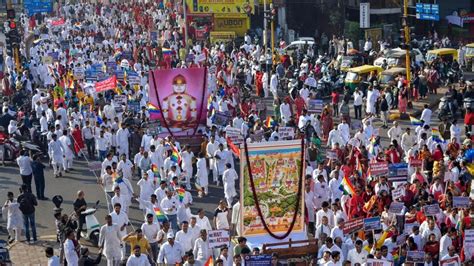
469	55
388	77
445	54
357	75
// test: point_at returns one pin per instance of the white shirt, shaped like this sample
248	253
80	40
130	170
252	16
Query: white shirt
444	244
355	257
24	162
201	249
426	116
357	98
53	261
169	205
185	239
138	261
170	254
70	253
150	231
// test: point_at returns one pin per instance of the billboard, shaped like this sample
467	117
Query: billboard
276	170
179	95
238	23
38	6
220	6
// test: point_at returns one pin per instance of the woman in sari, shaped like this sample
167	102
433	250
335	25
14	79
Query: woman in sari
327	122
78	141
403	100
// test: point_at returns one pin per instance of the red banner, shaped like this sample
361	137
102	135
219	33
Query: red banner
353	225
107	84
58	22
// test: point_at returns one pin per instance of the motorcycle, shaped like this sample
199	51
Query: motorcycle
447	108
453	76
12	148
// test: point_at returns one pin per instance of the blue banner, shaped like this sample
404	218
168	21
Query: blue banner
38	6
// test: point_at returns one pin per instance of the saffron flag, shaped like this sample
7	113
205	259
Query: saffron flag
160	216
209	262
415	122
181	192
346	186
435	133
233	148
154	111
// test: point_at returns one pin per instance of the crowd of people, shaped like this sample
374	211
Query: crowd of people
52	104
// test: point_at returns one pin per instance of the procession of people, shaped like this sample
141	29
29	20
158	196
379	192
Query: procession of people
415	179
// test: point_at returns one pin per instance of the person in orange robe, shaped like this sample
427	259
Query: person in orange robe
259	83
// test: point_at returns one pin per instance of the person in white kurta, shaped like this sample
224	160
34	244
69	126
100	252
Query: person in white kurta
228	179
395	132
70	251
455	131
187	164
372	96
11	210
184	210
211	149
122	140
137	259
56	152
147	187
109	241
345	130
201	247
68	153
285	112
126	167
202	174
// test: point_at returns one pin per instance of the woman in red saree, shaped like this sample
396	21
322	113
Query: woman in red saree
78	141
327	122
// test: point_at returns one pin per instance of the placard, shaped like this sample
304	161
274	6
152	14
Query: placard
461	202
133	78
315	106
221	119
378	168
79	72
286	132
396	207
218	238
398	192
257	136
415	162
94	166
353	225
120	99
401	238
431	210
331	155
258	260
47	60
154	128
234	135
134	106
111	66
376	262
397	172
416	256
372	223
450	262
407	228
469	241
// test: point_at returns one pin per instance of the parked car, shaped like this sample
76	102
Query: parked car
293	46
396	57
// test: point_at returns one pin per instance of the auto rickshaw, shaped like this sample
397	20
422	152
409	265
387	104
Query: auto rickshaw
357	75
469	55
388	77
446	54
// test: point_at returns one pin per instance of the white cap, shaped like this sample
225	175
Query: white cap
170	235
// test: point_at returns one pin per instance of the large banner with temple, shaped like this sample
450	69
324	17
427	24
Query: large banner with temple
176	98
272	188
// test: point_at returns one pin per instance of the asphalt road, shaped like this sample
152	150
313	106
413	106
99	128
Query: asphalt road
83	179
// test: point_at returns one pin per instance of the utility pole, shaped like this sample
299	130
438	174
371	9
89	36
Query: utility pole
13	38
265	25
406	30
185	27
272	11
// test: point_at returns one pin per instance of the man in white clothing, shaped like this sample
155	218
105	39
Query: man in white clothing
110	240
69	249
56	154
334	137
120	218
426	114
137	259
285	112
68	153
201	247
122	140
171	252
185	237
357	254
395	132
211	149
150	231
228	178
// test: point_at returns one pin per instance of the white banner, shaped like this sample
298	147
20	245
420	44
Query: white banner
218	238
364	18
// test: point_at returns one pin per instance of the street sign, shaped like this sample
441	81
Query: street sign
427	11
364	15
